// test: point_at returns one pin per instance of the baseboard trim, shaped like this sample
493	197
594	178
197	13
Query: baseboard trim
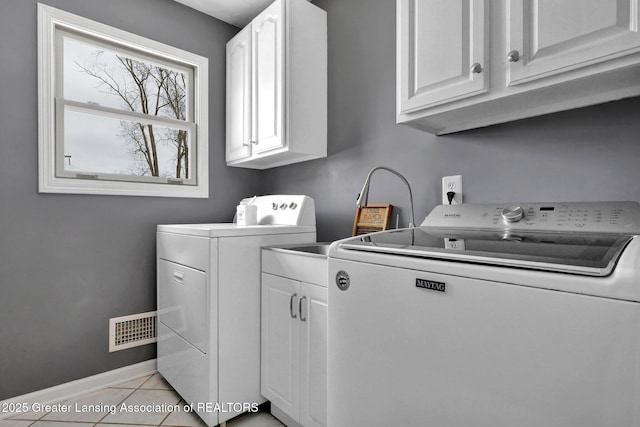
79	387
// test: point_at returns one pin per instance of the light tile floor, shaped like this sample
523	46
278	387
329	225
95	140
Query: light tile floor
94	409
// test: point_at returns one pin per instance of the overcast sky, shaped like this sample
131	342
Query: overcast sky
93	142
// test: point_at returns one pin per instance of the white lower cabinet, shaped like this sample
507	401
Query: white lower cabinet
294	347
313	357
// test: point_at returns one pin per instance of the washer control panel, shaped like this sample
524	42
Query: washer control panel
595	217
512	213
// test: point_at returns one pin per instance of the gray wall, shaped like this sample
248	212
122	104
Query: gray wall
586	154
68	263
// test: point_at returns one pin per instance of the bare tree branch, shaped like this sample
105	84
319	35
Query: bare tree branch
154	91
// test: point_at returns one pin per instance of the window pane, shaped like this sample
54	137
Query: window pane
105	77
97	144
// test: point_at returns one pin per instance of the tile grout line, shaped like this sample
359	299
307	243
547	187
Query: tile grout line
165	418
41	418
140	388
157	425
36	420
169	414
131	391
122	401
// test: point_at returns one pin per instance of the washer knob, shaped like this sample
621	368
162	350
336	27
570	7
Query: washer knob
512	213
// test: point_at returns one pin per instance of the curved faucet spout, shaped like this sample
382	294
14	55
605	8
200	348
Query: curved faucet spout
364	193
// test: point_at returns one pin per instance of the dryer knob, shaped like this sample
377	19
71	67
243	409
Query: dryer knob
512	213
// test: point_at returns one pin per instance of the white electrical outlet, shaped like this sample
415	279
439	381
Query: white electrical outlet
456	244
452	183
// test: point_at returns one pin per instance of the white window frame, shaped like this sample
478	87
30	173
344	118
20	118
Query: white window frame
50	22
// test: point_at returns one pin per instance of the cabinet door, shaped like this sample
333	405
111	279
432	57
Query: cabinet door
442	51
313	386
268	78
280	349
552	37
239	95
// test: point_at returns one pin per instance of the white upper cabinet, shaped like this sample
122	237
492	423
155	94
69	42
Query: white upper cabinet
552	37
443	45
277	87
266	35
239	96
531	57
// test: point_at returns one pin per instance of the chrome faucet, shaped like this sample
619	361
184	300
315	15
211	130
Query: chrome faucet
364	193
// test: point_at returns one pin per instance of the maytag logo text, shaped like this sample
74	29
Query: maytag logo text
431	285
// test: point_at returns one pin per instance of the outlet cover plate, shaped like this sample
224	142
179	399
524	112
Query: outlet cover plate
452	183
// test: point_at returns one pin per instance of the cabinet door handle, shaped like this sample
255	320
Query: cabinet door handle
302	319
476	68
245	144
254	142
513	56
293	313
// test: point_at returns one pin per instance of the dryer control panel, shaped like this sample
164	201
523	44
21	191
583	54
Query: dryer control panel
283	209
592	217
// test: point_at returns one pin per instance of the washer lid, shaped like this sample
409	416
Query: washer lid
590	254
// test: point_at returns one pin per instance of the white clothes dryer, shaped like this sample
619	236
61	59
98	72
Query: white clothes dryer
209	303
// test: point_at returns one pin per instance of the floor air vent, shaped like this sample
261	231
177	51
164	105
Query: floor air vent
132	331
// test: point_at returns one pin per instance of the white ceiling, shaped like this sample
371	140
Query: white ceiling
235	12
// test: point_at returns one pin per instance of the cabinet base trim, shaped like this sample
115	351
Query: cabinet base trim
284	418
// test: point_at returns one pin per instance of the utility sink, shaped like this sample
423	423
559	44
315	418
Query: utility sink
321	249
304	262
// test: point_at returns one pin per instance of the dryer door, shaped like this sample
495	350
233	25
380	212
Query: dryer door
182	302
